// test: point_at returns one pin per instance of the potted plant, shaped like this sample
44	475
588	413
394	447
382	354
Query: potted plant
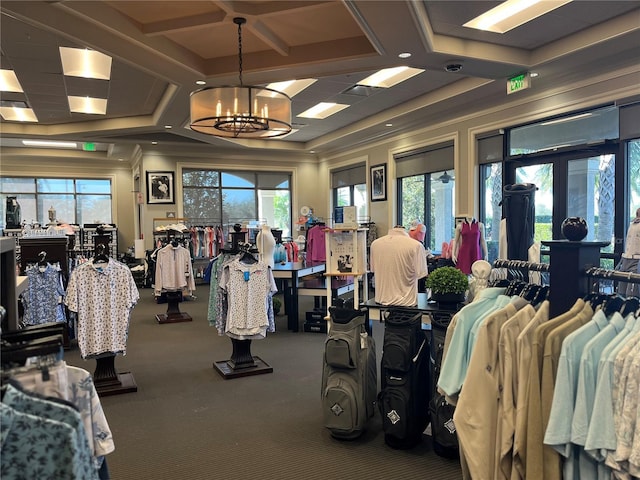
277	304
447	284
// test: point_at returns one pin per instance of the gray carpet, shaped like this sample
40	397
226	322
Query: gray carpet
187	422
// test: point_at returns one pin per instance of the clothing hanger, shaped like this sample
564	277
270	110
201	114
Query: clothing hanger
18	353
541	296
33	332
100	255
612	304
530	291
42	259
630	305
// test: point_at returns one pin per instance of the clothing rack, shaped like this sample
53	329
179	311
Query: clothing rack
607	274
521	265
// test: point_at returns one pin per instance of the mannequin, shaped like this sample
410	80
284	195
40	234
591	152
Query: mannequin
398	262
266	243
469	244
630	261
418	231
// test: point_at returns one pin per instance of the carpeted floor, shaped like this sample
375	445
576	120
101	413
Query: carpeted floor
186	422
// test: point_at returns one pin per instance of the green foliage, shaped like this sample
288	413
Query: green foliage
277	304
447	280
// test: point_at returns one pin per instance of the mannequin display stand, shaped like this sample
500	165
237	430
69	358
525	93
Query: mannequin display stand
109	382
173	313
242	363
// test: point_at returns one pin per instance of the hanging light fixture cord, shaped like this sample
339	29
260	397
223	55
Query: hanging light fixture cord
239	21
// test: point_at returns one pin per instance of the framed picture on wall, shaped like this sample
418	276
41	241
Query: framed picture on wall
161	188
378	183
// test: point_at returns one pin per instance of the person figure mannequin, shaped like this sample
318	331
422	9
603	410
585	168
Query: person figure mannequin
398	262
417	231
469	244
631	257
266	243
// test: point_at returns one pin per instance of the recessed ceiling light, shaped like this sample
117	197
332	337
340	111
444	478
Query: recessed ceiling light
404	55
154	143
94	106
292	87
323	110
13	114
200	82
388	125
388	77
85	63
533	74
513	13
168	126
49	143
9	82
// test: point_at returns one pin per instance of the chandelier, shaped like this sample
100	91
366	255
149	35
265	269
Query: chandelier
241	111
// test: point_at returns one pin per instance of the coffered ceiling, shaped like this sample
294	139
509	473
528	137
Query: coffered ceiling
161	48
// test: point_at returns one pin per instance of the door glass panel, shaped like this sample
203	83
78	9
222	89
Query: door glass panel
590	195
542	176
492	210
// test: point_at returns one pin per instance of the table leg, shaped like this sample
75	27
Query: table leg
293	318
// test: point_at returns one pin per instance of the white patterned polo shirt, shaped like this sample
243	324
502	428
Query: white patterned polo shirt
103	297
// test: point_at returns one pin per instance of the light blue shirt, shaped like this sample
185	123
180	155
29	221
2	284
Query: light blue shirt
501	302
558	433
601	435
586	392
455	363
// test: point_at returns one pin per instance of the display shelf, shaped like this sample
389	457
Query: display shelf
347	257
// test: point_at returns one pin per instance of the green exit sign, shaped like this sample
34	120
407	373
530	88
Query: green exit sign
520	82
89	147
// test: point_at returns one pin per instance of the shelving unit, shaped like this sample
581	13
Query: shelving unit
347	257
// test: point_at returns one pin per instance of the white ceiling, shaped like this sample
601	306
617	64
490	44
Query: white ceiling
160	49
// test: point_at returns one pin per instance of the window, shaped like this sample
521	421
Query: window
490	156
76	201
574	161
228	197
350	188
426	192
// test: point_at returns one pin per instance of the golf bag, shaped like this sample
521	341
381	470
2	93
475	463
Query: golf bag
349	374
405	382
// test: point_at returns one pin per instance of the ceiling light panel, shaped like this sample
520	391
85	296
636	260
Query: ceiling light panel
389	77
513	13
77	62
94	106
12	114
323	110
292	87
9	82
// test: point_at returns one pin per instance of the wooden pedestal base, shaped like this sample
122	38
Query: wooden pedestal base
173	314
242	363
108	382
